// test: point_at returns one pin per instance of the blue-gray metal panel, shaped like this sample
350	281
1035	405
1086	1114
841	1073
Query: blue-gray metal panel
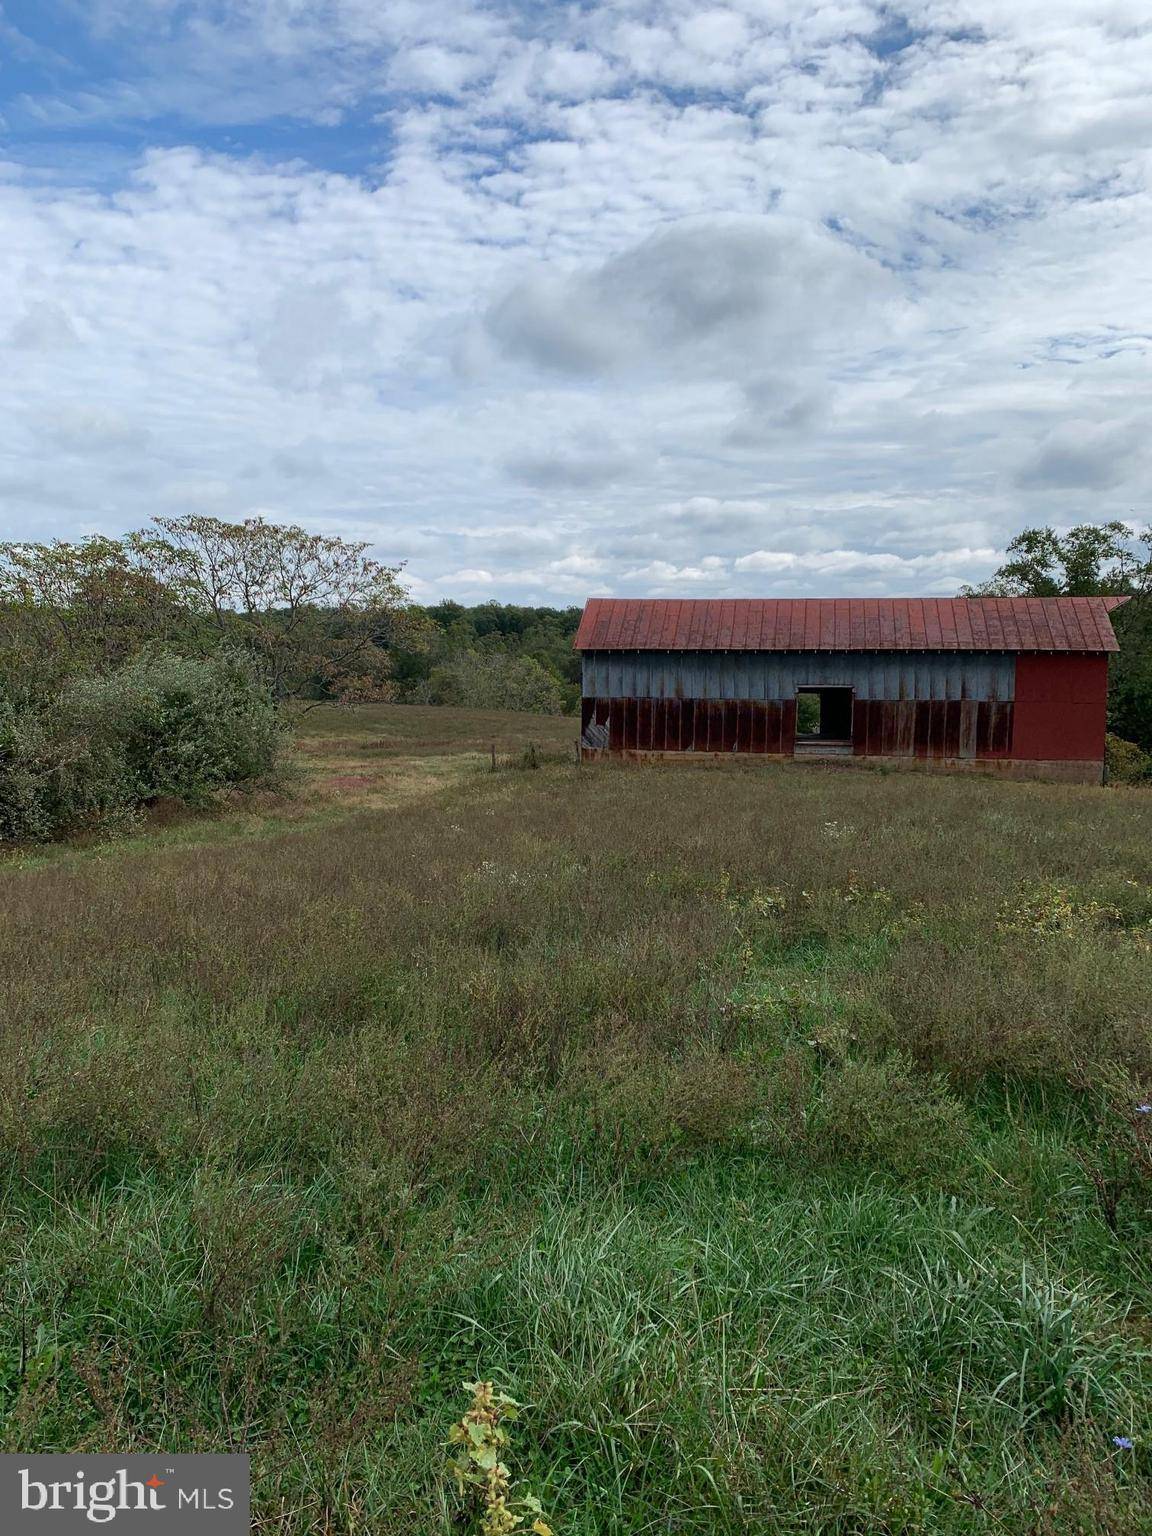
777	675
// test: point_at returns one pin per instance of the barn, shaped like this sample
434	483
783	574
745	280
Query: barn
1016	686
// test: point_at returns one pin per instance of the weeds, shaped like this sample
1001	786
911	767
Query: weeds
798	1178
481	1441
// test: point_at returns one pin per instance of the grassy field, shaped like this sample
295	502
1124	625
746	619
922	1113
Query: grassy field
773	1134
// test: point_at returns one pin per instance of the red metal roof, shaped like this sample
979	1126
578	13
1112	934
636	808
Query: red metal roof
847	624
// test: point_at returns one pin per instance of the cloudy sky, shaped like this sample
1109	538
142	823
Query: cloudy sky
782	297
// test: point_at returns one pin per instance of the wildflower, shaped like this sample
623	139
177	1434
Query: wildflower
1122	1442
1144	1109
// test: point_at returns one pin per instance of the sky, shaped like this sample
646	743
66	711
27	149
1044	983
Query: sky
649	297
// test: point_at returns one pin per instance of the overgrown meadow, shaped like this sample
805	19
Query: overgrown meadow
780	1138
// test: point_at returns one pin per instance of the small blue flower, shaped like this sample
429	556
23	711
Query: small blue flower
1144	1109
1122	1442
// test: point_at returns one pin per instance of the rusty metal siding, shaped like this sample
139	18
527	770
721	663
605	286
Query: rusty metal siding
1040	624
923	728
932	705
920	704
768	676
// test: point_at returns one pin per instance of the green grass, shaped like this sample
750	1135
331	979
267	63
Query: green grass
769	1133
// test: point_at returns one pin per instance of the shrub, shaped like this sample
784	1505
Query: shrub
1126	763
182	728
161	726
493	680
53	779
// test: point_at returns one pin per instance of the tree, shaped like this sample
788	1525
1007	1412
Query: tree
493	680
1090	560
1130	675
317	610
72	608
1094	560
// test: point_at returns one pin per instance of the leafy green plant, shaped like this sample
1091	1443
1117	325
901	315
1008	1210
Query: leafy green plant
161	726
481	1440
1126	763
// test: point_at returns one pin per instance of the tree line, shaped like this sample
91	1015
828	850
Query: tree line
165	662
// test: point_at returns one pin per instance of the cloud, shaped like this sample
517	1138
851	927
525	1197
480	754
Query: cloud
834	563
583	462
1083	457
43	326
655	296
711	299
84	430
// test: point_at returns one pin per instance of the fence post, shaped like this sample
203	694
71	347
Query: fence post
493	757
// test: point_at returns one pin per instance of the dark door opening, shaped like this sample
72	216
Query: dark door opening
824	717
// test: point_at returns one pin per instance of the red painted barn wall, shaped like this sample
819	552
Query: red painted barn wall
1061	707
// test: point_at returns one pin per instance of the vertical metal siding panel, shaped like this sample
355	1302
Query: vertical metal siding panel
645	674
893	726
758	736
860	720
937	742
984	728
643	725
616	725
702	726
923	728
966	746
952	728
744	726
788	727
899	728
878	714
999	732
774	728
672	710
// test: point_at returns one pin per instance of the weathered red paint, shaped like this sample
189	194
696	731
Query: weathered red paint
1057	714
1023	624
1061	708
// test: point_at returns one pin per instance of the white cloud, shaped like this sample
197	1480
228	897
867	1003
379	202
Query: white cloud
648	296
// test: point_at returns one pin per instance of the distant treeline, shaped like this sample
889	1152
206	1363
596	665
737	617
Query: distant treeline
492	655
163	664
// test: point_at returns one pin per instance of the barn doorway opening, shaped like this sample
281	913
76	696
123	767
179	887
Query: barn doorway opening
823	717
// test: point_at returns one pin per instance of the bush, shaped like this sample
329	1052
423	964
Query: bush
53	779
181	728
1126	763
492	680
161	726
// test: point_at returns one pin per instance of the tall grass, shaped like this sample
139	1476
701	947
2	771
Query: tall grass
774	1136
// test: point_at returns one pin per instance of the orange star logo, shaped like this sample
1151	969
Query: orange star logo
154	1482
